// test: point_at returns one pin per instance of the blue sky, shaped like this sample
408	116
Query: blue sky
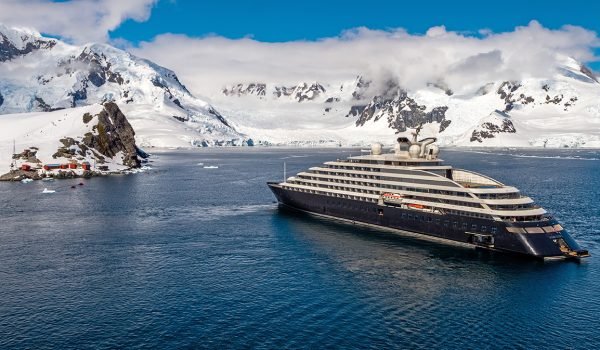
268	20
277	21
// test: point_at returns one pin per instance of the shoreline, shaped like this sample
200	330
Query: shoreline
19	175
366	145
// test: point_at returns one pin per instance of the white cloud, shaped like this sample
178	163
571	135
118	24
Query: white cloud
76	20
206	64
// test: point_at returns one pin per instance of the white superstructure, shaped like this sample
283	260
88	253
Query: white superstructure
413	176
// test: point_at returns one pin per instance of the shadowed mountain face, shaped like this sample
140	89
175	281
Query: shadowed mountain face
400	111
25	44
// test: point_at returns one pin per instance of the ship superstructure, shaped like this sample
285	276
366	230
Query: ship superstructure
412	190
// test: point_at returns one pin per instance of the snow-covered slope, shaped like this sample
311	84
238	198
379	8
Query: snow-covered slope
562	110
98	134
42	74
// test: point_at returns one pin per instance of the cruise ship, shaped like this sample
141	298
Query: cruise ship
411	190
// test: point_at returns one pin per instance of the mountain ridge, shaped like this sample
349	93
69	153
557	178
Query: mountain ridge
43	74
46	74
497	113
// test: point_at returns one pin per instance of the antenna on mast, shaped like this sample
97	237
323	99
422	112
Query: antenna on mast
284	172
13	161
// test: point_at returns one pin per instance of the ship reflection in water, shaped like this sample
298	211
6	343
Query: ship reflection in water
434	292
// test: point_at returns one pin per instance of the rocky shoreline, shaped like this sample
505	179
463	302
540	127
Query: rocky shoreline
101	142
19	175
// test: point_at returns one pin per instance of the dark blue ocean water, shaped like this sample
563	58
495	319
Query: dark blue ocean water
186	257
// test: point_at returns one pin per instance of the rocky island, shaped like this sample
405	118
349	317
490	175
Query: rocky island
77	142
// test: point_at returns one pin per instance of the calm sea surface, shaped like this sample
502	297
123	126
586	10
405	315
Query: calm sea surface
186	257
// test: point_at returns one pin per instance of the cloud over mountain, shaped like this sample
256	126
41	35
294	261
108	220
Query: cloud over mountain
462	60
76	20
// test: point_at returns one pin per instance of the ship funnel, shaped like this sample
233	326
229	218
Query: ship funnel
403	144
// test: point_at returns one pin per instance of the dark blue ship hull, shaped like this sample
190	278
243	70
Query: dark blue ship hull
476	232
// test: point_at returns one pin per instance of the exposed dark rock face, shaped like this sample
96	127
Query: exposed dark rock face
87	118
1	99
401	111
356	110
507	92
115	135
219	116
571	102
181	119
28	155
173	76
258	89
41	105
489	130
99	68
556	99
18	175
444	124
112	134
79	94
283	91
306	92
159	82
8	50
176	102
301	92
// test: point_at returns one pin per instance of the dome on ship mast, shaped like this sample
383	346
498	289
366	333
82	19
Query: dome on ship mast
434	149
376	149
414	150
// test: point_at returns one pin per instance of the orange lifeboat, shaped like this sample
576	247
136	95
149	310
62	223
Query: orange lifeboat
416	206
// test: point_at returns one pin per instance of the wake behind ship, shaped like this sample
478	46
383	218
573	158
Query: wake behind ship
412	190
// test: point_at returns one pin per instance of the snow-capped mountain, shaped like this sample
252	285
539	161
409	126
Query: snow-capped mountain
562	110
301	92
45	74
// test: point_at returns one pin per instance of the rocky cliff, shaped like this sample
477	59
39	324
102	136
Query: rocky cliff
99	134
